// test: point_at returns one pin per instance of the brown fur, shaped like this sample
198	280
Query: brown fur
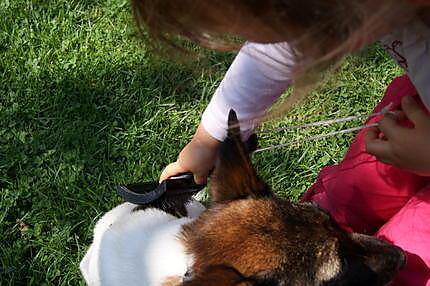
314	28
250	237
218	276
321	32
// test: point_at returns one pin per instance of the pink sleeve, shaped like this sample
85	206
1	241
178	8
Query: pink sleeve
259	74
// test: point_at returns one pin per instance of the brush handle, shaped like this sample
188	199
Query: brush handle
150	192
180	185
140	194
183	183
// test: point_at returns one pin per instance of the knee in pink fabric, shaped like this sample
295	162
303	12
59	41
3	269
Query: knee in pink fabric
361	193
410	230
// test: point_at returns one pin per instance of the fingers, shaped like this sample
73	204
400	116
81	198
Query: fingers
380	148
389	126
399	115
412	110
171	170
175	168
372	134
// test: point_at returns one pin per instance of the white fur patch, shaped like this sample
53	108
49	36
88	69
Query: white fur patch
194	208
137	248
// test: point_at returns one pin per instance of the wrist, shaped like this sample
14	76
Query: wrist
203	138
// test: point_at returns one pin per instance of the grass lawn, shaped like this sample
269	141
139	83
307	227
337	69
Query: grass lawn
84	107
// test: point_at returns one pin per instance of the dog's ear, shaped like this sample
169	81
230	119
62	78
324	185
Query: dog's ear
217	276
373	262
234	176
380	256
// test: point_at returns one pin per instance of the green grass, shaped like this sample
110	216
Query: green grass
84	107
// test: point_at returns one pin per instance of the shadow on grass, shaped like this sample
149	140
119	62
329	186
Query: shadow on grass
68	138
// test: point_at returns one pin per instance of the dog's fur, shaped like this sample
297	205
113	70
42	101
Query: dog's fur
246	237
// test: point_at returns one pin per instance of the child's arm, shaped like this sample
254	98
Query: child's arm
406	148
257	77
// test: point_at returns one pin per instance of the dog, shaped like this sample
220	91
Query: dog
247	236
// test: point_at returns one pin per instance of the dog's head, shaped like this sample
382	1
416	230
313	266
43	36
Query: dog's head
250	237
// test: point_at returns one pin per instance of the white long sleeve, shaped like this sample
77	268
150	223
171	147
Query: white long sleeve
410	47
259	74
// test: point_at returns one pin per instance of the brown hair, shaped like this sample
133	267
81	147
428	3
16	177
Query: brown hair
321	31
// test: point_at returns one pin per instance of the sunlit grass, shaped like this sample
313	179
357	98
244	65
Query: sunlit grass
83	107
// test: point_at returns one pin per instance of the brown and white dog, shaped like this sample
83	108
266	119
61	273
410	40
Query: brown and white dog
247	236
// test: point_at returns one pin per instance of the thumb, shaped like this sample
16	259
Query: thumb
412	110
175	168
171	170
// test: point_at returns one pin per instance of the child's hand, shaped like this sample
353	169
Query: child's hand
406	148
197	157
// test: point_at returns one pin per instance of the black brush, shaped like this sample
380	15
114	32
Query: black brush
172	194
